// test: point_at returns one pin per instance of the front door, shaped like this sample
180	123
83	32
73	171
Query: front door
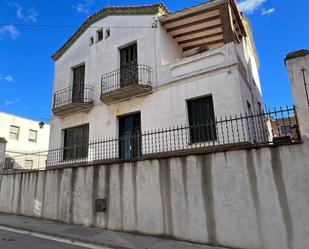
129	136
78	84
128	66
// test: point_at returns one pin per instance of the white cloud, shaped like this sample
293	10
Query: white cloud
7	78
268	12
12	102
83	7
10	30
249	6
29	15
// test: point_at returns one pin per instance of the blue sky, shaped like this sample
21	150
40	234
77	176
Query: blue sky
26	69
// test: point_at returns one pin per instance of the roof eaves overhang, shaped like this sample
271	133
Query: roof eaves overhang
184	12
209	24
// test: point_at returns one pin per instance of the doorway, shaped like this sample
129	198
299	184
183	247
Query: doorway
128	66
78	84
130	136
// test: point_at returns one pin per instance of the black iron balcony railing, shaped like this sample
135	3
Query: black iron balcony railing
131	75
72	95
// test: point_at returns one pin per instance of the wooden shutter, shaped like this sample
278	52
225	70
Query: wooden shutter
128	65
202	119
76	142
78	84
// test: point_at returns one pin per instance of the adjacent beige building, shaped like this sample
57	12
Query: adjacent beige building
23	136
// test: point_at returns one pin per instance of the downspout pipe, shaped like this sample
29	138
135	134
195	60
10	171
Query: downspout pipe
305	84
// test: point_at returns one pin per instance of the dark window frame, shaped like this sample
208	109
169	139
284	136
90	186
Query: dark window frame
74	144
107	33
78	83
100	35
202	120
91	41
132	138
128	60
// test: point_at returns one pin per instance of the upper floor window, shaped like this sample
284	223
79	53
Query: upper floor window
33	136
202	119
99	35
78	91
14	132
91	40
107	33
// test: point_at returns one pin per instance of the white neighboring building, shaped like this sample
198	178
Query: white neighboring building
139	68
23	136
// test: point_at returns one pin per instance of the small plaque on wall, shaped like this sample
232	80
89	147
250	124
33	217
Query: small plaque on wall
100	205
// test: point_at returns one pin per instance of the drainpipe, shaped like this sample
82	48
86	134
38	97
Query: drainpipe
305	84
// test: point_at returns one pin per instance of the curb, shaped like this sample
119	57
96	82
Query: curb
72	238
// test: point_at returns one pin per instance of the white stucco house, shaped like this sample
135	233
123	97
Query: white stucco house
24	138
139	68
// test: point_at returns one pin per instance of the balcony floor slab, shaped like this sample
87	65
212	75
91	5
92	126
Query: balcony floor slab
72	108
126	92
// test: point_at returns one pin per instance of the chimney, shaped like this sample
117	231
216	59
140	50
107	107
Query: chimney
297	64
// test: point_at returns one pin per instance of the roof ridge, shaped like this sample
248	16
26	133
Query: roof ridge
148	9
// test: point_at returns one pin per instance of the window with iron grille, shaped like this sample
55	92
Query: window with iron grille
201	119
14	132
33	135
76	141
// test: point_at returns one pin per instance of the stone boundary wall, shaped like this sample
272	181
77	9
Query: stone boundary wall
255	198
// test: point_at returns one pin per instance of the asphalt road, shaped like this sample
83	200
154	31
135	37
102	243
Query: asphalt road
13	240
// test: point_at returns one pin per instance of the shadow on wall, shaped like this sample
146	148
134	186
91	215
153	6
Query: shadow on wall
244	199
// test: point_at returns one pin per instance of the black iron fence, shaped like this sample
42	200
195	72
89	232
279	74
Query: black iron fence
72	94
245	130
131	74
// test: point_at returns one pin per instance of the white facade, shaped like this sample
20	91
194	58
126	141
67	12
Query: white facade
228	72
25	142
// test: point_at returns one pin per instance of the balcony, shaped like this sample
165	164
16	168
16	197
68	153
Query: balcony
125	83
72	99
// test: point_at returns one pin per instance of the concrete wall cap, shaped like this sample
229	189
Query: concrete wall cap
296	54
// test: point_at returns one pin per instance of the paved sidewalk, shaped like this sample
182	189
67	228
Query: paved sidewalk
94	236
